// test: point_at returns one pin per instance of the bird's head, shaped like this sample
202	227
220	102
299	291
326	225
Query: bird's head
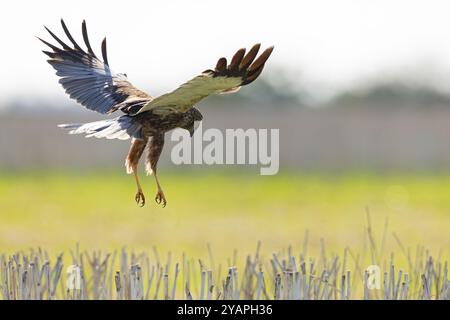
193	119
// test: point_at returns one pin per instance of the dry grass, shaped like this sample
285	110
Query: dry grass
126	275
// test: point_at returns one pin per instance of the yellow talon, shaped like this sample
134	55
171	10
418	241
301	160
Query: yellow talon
140	198
161	199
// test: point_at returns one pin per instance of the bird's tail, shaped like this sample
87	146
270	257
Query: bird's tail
122	128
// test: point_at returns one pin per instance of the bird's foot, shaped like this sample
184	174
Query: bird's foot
140	198
160	198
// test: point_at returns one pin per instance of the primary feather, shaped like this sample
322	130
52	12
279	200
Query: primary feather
89	80
242	70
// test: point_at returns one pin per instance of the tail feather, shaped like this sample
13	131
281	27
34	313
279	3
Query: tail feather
121	128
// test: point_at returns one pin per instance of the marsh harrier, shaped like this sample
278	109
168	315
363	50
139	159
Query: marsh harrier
91	82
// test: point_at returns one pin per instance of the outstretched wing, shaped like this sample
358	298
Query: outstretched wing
89	80
243	69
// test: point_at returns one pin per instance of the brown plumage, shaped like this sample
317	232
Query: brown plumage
92	83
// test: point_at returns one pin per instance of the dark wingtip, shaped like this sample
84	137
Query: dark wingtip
65	46
56	49
221	64
104	54
66	31
86	38
63	24
249	57
261	60
48	53
256	47
237	59
257	66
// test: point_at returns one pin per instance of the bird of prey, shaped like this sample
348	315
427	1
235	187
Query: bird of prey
92	83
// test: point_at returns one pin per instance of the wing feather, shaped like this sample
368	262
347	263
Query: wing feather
242	70
236	60
249	57
86	39
89	80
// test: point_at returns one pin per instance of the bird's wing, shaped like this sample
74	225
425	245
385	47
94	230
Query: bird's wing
89	80
243	69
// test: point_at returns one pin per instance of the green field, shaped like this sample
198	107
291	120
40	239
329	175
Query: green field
227	209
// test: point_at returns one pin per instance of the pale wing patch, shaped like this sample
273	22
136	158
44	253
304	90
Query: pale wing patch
232	90
191	92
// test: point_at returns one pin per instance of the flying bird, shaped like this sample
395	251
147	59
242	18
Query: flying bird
91	82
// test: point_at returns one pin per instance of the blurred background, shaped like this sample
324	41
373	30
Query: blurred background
360	91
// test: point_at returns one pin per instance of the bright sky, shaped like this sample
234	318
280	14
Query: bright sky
161	43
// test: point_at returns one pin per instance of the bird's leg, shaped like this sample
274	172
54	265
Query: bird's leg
159	198
135	153
140	198
155	147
